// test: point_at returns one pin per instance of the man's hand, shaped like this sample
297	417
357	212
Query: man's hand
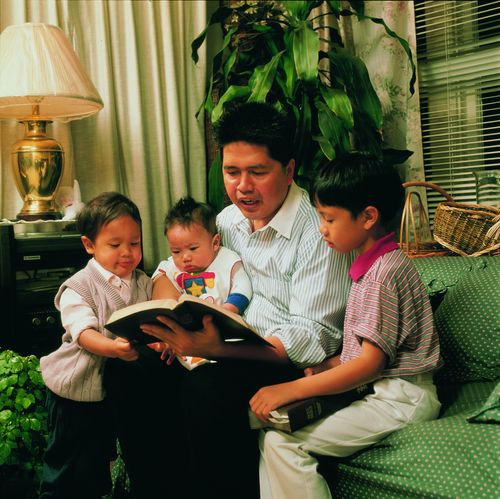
205	342
271	397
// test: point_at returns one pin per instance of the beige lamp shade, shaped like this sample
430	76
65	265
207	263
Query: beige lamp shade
38	66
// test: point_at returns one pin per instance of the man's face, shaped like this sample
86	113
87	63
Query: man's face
254	182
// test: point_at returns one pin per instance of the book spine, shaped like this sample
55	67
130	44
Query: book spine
306	413
316	408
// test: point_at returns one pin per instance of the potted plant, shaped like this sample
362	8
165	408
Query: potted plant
291	54
23	425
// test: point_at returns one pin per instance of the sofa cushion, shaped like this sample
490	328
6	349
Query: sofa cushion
467	320
489	412
448	457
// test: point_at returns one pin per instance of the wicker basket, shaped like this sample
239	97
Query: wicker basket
468	229
415	236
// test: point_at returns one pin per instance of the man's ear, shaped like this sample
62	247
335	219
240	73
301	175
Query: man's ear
216	242
371	216
88	245
290	169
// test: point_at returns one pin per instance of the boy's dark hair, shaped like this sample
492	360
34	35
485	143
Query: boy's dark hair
187	211
357	180
258	123
103	209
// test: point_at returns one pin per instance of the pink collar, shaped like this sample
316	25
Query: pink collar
363	262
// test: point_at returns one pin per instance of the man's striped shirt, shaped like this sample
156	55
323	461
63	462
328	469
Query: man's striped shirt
300	286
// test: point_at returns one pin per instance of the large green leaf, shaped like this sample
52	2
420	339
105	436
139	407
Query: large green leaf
299	9
262	79
288	64
290	74
326	146
305	51
232	93
352	72
395	156
303	133
334	5
229	65
216	65
367	138
338	101
216	192
217	17
331	127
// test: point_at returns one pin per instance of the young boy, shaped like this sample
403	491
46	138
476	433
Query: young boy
76	462
389	336
199	265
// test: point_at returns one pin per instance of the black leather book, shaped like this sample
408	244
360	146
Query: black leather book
297	414
187	311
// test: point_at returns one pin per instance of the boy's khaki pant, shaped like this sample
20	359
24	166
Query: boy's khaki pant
287	468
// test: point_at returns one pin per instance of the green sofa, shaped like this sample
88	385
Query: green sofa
457	455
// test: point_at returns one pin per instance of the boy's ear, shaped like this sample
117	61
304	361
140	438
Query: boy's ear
371	216
216	242
88	245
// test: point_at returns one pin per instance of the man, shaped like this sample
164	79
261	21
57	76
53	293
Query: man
193	425
299	291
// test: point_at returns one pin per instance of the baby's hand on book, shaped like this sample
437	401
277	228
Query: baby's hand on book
166	351
124	350
168	354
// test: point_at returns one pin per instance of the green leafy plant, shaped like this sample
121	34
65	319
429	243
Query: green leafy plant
23	424
291	54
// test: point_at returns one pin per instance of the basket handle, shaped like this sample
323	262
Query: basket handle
408	218
429	185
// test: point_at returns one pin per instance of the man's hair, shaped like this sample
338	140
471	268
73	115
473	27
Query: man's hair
260	124
187	211
357	180
103	209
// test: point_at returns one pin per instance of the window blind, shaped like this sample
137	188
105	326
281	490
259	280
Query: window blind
458	55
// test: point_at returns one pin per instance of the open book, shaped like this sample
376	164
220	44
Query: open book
295	415
188	311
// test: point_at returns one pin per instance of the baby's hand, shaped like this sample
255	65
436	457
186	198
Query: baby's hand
207	297
168	354
166	351
124	350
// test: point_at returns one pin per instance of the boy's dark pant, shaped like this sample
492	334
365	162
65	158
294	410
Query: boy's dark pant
194	425
80	447
144	400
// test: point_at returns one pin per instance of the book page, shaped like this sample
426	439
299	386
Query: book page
143	305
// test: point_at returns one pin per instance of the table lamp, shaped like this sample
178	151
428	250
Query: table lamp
41	80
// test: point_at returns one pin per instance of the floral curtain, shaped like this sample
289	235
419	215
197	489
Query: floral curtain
390	72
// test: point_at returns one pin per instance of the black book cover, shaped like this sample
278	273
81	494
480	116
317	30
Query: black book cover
188	311
297	414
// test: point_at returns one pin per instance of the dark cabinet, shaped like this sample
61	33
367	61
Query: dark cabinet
33	265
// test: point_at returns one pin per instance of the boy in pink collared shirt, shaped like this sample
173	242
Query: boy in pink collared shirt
389	336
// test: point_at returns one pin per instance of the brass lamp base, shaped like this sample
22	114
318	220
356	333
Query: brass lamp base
37	162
